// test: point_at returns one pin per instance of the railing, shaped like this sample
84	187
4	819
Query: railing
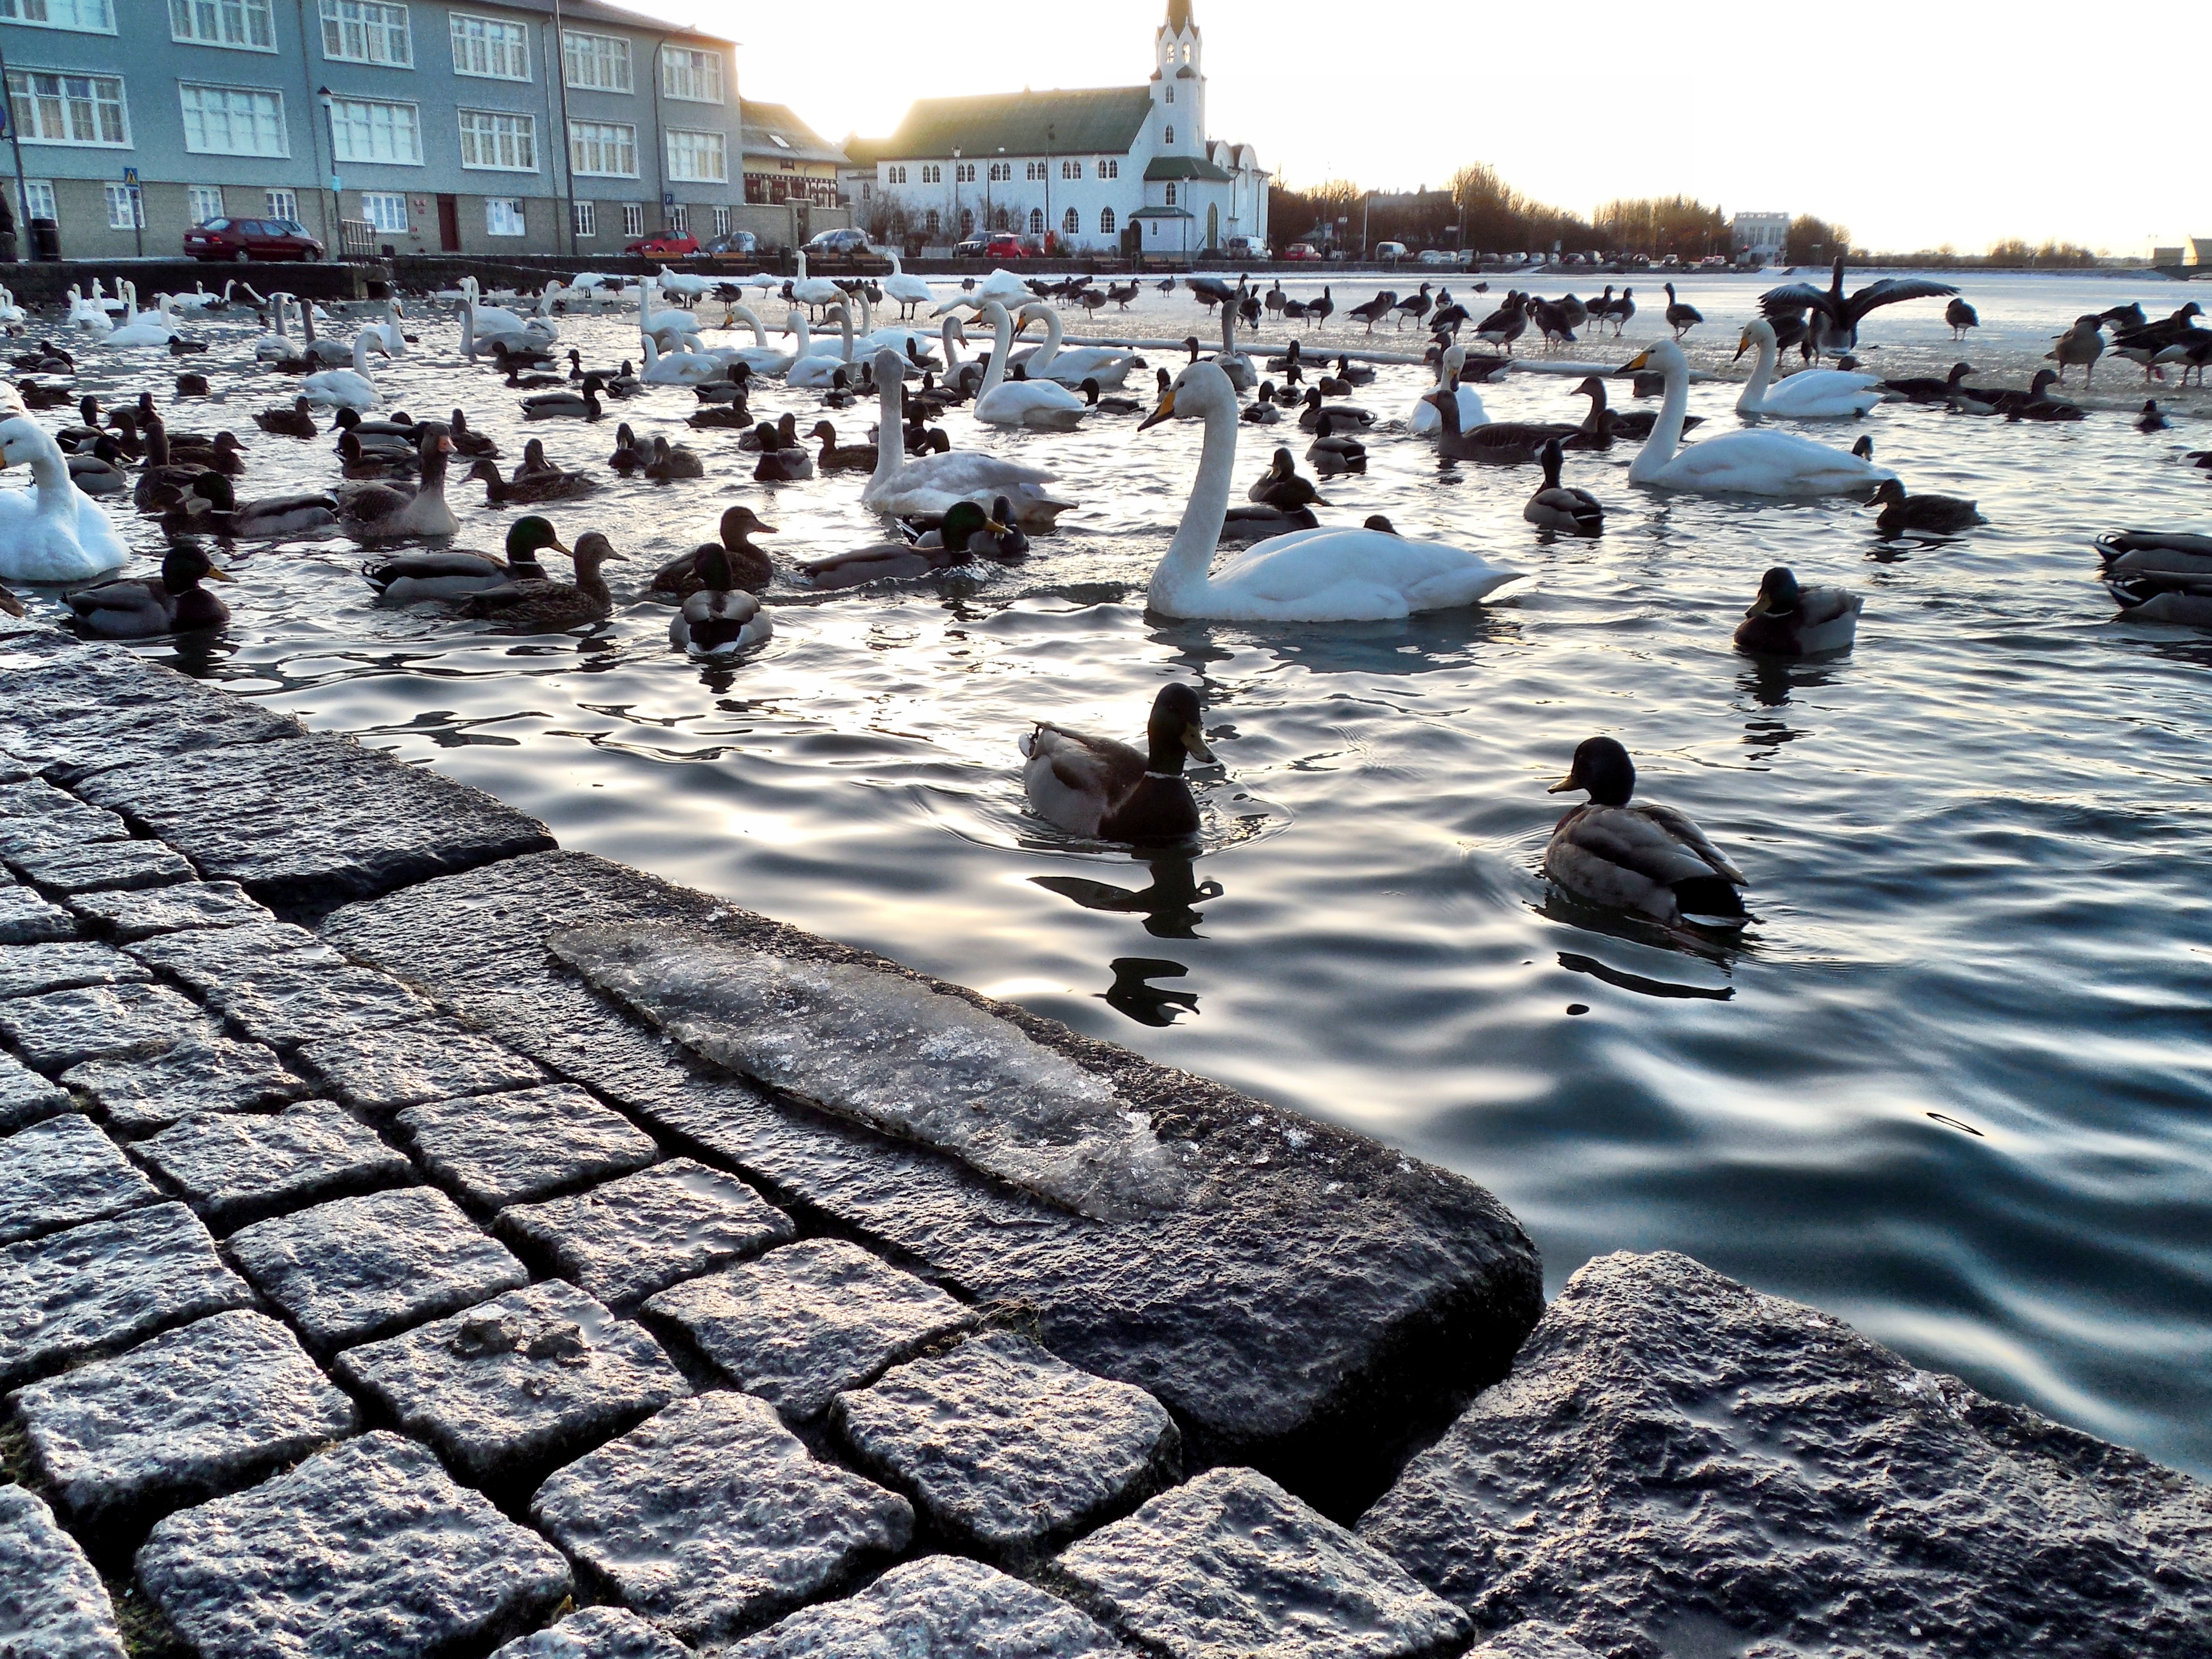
357	239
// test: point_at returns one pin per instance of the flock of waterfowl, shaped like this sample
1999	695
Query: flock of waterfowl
945	507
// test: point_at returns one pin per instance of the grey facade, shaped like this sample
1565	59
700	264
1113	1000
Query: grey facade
436	157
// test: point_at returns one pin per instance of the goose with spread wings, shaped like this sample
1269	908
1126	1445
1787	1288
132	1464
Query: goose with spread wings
1836	315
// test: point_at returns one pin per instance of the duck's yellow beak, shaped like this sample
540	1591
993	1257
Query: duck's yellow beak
1194	741
560	546
1569	782
221	575
1165	411
1761	605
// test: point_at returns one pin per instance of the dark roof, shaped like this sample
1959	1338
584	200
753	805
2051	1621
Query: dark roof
1102	119
1178	15
1184	166
767	124
1161	213
863	152
598	11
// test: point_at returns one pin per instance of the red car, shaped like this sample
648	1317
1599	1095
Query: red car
1300	251
251	238
666	245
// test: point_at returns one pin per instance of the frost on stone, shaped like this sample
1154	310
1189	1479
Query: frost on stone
892	1053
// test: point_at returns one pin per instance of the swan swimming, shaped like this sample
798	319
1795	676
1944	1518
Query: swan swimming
1753	463
53	532
1816	394
1045	406
931	483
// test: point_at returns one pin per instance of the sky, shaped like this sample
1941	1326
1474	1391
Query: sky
1915	125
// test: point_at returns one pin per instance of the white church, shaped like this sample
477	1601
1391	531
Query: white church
1107	169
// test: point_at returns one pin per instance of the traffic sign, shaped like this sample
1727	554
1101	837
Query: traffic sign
668	198
130	175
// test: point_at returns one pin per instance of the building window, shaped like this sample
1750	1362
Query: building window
39	201
999	218
633	219
696	158
205	202
363	32
1170	135
1033	172
1170	94
502	143
932	175
1002	172
1071	169
85	17
1110	169
1036	221
607	149
234	120
964	174
364	131
968	222
894	175
680	219
931	224
691	74
1106	221
495	50
721	221
503	216
69	109
1171	195
597	62
242	25
584	218
1071	222
124	211
282	204
386	209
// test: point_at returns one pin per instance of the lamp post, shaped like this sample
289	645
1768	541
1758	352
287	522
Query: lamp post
959	236
331	131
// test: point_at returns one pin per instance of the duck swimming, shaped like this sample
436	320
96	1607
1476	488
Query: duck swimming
719	619
541	606
750	567
172	602
1941	515
411	578
1563	507
965	525
1652	860
1787	620
213	508
1096	786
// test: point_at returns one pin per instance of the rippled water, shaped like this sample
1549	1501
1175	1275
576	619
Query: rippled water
1952	1083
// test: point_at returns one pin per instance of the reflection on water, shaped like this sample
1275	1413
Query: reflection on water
1976	844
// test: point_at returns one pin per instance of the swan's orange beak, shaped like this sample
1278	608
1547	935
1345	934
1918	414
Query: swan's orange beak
1165	411
1640	361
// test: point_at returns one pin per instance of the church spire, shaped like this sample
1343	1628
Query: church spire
1178	15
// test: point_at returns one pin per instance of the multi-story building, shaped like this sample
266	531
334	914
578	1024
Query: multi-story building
1753	237
440	123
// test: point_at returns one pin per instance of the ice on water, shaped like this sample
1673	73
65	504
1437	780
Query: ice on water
914	1062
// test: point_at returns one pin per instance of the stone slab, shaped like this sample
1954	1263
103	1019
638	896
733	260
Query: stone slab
106	1285
1675	1452
280	984
1539	1638
368	1551
141	914
712	1518
30	802
27	919
808	1321
62	867
1232	1566
79	712
625	1239
52	1605
943	1606
503	1149
142	1092
28	969
26	1098
62	1172
1006	1449
405	1065
527	1380
72	823
188	1416
314	819
66	1028
233	1168
358	1268
202	957
1321	1312
597	1634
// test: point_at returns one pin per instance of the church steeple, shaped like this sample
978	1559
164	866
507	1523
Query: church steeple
1179	83
1178	17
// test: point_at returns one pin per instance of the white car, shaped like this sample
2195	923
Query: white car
1393	251
1436	256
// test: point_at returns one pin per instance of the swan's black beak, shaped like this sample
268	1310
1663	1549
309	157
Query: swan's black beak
1640	361
1165	411
1194	741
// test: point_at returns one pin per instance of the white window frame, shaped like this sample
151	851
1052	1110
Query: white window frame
932	175
1170	201
680	219
36	193
1071	169
1036	221
367	23
1106	221
633	219
595	50
963	173
1170	94
19	11
594	134
584	219
203	146
32	132
504	211
680	68
721	221
126	209
197	197
1171	138
525	128
369	212
485	40
281	205
681	174
343	125
230	25
1111	169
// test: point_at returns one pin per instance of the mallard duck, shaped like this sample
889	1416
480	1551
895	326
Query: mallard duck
1650	859
2150	420
411	578
670	462
781	433
725	416
629	455
963	525
720	619
98	471
777	463
172	602
735	389
1939	513
1561	507
193	385
1255	521
392	510
466	442
1352	373
2146	602
386	458
1280	486
995	535
211	508
1331	452
220	453
297	421
541	606
565	405
1344	416
834	457
750	567
1096	786
1787	620
535	478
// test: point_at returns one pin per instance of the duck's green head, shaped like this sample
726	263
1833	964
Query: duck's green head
528	536
186	566
712	564
1601	766
964	520
1778	593
1177	729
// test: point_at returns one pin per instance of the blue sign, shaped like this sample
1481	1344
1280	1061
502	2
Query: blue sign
130	175
668	198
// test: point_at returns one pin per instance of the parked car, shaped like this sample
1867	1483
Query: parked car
1438	256
1004	245
737	245
251	238
665	244
840	244
1391	252
1244	247
1300	251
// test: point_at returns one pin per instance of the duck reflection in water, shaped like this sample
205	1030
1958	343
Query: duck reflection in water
1169	906
1148	1005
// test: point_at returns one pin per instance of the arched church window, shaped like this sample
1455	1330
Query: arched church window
1036	221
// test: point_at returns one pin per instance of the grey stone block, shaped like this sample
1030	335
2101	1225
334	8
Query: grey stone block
188	1416
106	1285
236	1168
712	1518
943	1606
61	1172
61	867
79	712
1676	1457
28	969
142	914
1006	1447
524	1382
1537	1639
26	1098
52	1605
626	1239
368	1551
202	957
27	919
597	1634
210	1074
405	1065
1232	1566
503	1149
37	815
66	1028
358	1268
280	983
804	1321
315	819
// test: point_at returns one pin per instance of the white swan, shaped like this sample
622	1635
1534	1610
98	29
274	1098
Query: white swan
1815	394
276	346
690	287
485	324
814	291
817	363
1754	463
1109	366
53	532
1001	285
390	332
908	291
665	325
760	356
1042	405
1309	576
679	367
346	388
151	328
9	311
909	343
1232	362
1426	420
931	483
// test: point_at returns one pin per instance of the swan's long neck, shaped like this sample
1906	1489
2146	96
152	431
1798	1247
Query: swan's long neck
1754	391
867	311
802	268
51	480
1002	342
1667	431
947	334
796	324
1053	337
1228	331
1183	570
749	315
890	432
360	354
845	329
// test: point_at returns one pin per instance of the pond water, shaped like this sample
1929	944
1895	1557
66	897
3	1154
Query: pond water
1950	1084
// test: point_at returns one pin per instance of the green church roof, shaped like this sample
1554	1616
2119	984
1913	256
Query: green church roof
1099	120
1185	166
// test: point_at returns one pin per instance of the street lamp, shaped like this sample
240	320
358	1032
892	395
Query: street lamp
331	131
959	236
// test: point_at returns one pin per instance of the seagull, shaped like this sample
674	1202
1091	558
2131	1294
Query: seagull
1836	316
